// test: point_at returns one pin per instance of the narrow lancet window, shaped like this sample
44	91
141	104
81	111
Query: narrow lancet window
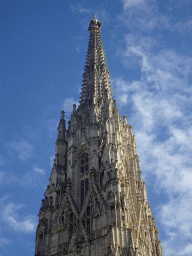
88	225
83	223
82	192
70	232
84	163
71	217
88	210
86	186
84	167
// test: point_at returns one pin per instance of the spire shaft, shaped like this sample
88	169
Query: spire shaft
95	87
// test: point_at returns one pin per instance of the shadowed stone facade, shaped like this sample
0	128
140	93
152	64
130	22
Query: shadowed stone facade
96	202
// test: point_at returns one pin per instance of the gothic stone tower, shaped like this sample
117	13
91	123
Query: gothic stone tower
96	202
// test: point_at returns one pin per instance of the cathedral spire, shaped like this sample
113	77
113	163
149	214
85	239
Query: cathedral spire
96	201
96	84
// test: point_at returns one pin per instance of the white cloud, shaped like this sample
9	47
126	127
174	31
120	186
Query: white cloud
23	148
37	169
68	105
141	15
186	251
145	15
132	3
32	178
51	160
10	216
171	215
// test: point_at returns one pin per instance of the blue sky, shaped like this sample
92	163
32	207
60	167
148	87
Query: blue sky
148	49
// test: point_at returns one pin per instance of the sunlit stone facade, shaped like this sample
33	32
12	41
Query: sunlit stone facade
96	202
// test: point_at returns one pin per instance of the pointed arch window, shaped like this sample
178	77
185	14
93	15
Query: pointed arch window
84	168
71	217
84	163
88	210
82	192
88	225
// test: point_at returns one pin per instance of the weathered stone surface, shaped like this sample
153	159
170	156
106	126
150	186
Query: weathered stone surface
96	202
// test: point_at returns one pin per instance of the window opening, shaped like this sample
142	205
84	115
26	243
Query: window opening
85	182
86	186
70	232
88	210
88	225
71	217
83	223
101	178
82	192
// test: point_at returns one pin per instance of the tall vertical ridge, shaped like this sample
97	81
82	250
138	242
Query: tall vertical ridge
95	87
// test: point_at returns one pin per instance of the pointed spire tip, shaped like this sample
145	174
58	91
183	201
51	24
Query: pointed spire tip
94	24
62	114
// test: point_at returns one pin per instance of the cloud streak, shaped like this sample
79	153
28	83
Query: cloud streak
79	8
10	215
23	149
132	3
32	178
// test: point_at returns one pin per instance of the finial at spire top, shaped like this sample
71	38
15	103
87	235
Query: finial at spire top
94	24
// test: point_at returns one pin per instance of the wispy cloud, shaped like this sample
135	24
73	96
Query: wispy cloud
2	161
79	8
182	26
187	250
52	125
23	149
7	178
32	178
68	105
5	243
37	169
144	15
141	15
133	3
51	160
11	216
